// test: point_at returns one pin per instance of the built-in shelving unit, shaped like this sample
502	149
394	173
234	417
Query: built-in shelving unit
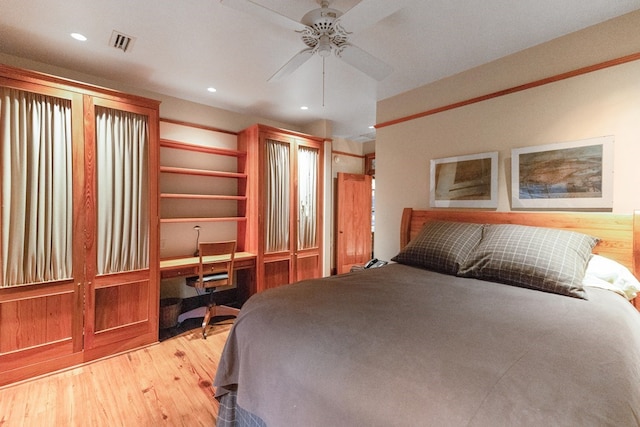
239	176
203	180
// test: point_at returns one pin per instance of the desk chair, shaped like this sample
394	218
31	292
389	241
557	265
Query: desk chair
220	274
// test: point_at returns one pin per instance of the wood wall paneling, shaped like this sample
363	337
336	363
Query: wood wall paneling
276	273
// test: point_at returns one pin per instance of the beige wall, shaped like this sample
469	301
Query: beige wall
353	162
170	107
605	102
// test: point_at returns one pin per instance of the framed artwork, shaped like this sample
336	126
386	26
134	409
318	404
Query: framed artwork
465	181
370	164
566	175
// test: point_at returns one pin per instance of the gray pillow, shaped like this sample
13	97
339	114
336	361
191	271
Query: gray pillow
540	258
442	246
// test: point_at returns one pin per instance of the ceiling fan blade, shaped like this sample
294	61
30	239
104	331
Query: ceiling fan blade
368	12
293	64
365	62
264	13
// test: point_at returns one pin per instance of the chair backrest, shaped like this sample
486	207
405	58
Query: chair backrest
222	273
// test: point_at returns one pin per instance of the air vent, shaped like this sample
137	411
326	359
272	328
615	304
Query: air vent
121	41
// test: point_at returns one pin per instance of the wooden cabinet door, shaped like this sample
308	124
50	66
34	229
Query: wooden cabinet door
275	258
121	238
353	221
42	281
308	210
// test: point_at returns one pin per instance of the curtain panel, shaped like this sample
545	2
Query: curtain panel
307	197
277	196
122	145
37	192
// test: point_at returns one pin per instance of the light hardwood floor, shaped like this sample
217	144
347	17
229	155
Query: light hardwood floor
164	384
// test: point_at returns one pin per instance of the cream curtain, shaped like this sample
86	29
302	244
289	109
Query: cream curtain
122	180
277	197
37	192
307	197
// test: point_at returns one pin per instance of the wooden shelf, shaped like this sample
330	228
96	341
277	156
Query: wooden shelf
221	219
202	172
167	143
201	196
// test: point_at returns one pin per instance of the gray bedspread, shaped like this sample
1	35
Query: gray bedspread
402	346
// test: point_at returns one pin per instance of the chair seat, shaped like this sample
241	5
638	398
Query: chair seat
215	277
209	281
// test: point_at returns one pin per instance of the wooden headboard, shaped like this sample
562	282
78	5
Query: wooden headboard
619	234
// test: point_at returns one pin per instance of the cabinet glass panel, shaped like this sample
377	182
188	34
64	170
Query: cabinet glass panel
277	197
307	197
122	144
37	192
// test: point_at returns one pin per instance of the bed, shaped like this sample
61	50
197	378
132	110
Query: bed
447	335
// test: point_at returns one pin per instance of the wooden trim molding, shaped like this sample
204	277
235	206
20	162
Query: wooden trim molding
563	76
12	75
344	153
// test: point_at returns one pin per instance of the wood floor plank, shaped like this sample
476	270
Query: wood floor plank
164	384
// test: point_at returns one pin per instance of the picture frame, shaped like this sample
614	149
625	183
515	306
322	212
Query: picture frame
370	164
565	175
469	181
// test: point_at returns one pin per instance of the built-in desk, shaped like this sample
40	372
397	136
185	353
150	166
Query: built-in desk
244	266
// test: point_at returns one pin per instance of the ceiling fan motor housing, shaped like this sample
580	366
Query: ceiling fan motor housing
323	32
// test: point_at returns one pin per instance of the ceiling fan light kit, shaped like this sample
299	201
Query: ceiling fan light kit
324	46
322	33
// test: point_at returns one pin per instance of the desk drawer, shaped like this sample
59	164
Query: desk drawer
179	272
213	267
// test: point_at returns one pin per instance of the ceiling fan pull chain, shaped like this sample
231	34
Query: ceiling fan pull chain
323	58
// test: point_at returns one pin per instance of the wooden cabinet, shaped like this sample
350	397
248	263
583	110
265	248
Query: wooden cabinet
285	203
80	264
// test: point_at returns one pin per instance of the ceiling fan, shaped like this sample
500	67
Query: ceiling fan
323	30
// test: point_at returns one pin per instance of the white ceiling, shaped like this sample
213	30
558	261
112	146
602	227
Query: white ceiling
183	47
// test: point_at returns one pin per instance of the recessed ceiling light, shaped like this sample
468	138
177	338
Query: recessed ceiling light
79	37
304	107
212	89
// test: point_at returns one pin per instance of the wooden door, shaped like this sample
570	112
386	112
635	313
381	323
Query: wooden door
353	221
121	237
